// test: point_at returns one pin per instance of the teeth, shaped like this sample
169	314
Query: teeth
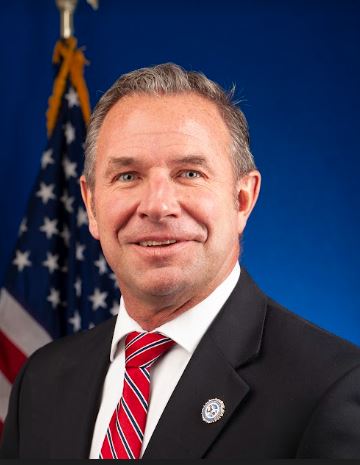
152	243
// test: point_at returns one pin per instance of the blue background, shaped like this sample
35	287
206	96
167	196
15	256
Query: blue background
296	65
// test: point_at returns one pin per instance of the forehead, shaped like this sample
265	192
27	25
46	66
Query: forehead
163	120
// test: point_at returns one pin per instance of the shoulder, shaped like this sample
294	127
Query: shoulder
293	343
311	356
301	333
75	348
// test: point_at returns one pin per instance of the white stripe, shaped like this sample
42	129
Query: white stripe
5	388
136	338
132	420
111	444
124	440
140	398
150	345
145	374
150	362
19	326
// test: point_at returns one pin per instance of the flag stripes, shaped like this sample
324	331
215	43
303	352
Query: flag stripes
11	358
5	388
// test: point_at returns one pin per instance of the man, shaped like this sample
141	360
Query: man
169	184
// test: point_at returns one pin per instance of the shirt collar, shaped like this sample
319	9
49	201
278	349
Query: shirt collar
188	328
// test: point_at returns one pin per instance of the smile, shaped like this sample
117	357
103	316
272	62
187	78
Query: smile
157	243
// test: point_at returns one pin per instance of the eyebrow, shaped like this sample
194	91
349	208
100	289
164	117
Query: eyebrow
192	159
123	162
118	162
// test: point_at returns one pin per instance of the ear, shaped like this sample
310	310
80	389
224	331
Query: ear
88	199
248	188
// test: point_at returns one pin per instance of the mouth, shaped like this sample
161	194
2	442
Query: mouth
161	248
157	243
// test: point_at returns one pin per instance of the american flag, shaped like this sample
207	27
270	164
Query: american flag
58	281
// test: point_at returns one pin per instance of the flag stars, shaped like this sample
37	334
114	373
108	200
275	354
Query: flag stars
54	298
47	159
75	321
81	217
23	227
46	192
69	132
49	227
78	287
112	276
69	168
65	234
115	308
22	260
67	201
51	262
72	98
98	299
79	253
101	264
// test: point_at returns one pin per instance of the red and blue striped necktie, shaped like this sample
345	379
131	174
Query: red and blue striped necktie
127	425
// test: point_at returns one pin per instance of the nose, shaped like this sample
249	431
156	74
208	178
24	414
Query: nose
159	199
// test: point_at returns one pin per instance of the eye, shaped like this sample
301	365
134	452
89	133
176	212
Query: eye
190	174
126	177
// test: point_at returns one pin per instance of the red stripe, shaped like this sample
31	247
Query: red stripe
11	357
1	428
106	450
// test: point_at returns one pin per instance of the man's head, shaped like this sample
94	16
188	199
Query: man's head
171	79
163	193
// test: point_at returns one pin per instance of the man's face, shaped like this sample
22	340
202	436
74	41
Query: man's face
166	206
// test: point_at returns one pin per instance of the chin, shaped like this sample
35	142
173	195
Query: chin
163	288
163	284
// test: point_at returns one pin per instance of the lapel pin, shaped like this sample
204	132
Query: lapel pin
212	410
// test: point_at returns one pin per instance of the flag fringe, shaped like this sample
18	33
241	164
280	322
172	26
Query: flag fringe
72	64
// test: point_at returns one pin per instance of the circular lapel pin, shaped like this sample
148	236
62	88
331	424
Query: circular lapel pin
213	410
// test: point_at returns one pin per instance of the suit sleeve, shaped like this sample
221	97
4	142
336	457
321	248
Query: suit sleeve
334	428
9	447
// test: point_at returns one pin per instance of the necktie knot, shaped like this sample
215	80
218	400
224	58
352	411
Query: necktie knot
143	349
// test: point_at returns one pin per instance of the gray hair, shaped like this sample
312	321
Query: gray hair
169	78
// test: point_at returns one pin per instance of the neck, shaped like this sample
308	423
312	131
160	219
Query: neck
152	311
151	316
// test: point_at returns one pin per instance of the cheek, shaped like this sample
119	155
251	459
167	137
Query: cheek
201	206
214	204
113	214
213	211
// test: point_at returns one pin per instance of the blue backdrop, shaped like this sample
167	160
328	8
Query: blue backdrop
297	69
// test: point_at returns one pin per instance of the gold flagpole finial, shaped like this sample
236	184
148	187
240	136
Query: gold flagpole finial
66	8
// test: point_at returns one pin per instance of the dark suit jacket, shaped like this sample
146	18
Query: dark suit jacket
290	390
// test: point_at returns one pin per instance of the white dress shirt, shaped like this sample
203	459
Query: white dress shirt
186	330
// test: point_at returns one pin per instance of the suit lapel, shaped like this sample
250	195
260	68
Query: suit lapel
77	407
233	339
